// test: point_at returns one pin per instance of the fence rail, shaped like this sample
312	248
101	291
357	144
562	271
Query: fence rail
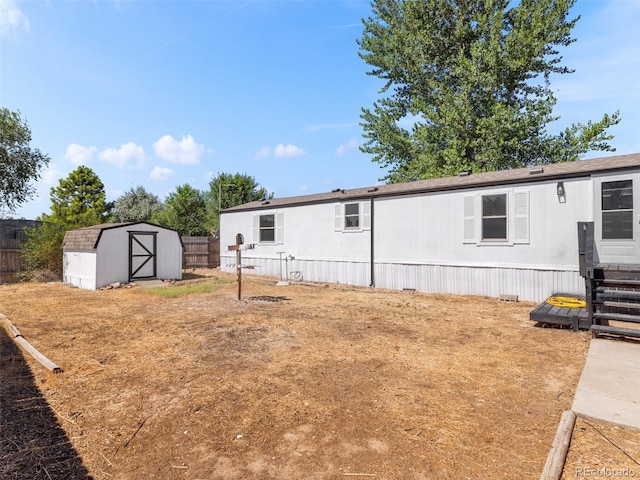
201	252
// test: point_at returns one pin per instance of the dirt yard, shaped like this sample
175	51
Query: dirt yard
301	381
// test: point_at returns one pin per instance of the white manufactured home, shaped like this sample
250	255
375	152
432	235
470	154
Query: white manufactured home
511	232
94	257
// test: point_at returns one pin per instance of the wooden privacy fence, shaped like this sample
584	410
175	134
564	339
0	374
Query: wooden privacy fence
201	252
11	262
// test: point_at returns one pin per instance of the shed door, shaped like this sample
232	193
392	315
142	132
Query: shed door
616	224
142	255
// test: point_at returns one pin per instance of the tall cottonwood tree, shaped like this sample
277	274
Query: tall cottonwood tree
468	87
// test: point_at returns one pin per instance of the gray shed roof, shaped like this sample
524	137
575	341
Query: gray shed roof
87	238
580	168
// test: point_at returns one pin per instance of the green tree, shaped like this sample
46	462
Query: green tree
136	206
227	190
468	87
184	210
19	163
79	200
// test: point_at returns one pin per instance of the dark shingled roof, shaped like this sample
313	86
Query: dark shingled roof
580	168
87	238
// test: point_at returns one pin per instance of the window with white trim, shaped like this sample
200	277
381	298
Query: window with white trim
352	216
617	210
496	218
268	228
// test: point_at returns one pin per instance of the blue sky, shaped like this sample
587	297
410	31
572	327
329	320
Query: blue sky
163	93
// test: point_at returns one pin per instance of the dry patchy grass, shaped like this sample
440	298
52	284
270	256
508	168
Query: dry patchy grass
323	382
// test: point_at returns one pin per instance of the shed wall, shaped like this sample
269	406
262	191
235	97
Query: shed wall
79	269
113	254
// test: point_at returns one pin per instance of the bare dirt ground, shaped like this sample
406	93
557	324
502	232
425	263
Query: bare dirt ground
303	381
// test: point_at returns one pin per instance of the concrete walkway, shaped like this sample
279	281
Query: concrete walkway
609	388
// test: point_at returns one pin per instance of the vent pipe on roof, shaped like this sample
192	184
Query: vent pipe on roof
466	173
536	171
374	189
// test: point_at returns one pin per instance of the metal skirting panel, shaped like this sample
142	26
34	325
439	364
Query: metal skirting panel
348	273
527	284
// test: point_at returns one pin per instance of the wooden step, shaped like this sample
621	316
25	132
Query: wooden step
625	283
621	317
618	293
610	303
625	332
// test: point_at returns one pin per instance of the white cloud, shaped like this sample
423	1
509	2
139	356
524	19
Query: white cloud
289	151
161	174
347	147
186	151
263	153
122	156
79	155
11	18
51	176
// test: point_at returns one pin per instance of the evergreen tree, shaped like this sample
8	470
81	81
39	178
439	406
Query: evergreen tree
79	200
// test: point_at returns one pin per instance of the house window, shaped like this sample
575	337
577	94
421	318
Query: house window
267	228
617	210
351	216
494	217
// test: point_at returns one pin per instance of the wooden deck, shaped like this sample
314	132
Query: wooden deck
547	314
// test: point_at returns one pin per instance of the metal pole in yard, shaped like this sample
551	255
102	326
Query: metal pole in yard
239	265
280	253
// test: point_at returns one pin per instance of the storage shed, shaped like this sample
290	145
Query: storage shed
94	257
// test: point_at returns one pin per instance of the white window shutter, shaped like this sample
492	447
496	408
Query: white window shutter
521	218
256	228
280	227
365	208
469	234
338	218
